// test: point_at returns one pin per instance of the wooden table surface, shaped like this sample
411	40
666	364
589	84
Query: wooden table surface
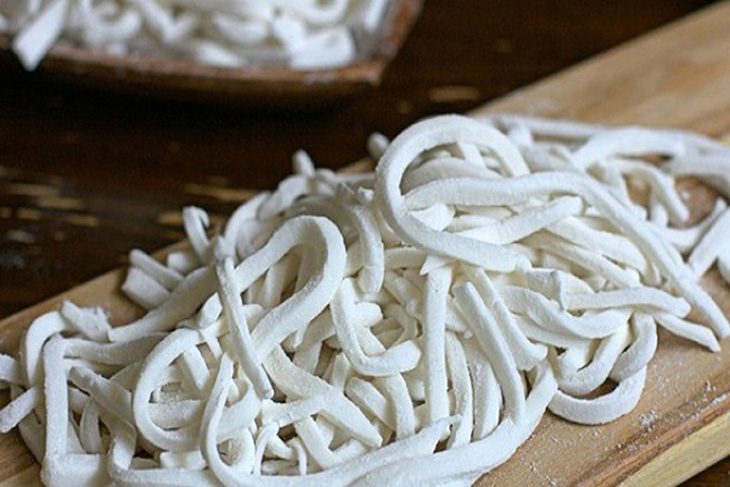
85	176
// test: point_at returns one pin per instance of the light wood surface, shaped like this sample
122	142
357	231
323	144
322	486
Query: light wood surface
678	76
700	450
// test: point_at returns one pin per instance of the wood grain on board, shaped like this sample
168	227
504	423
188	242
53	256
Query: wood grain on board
678	76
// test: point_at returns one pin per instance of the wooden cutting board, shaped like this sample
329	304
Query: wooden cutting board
678	76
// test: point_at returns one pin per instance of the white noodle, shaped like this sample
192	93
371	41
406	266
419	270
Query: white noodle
411	325
230	33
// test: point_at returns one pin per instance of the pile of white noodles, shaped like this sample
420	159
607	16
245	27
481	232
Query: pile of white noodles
407	327
302	34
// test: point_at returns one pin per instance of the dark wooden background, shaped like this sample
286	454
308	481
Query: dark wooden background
85	176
